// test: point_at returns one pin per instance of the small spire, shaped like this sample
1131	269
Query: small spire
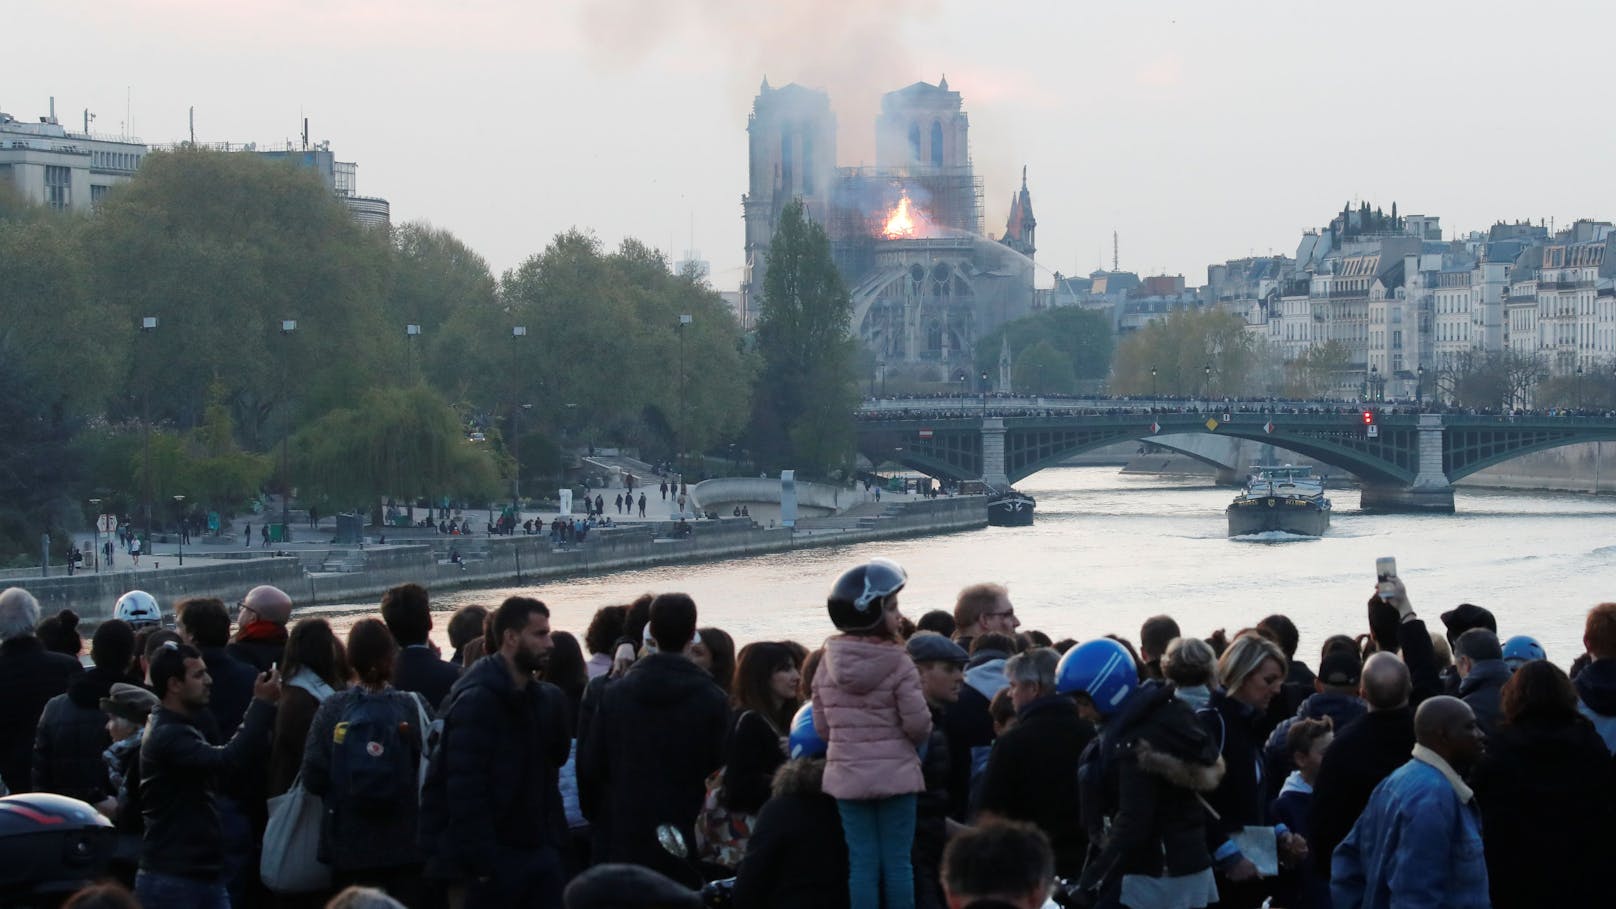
765	86
943	82
1023	178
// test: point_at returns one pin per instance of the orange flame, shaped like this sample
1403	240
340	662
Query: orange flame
904	222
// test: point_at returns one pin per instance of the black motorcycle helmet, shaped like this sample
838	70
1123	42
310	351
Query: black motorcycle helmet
856	601
50	844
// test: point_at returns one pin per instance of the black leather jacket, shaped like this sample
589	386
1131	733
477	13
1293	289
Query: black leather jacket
179	772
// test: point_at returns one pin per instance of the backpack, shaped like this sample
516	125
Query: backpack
375	754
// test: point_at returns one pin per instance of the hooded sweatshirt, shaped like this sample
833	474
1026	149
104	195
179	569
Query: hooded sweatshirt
1596	698
868	705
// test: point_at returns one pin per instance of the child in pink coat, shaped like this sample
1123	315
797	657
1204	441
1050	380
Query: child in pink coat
869	706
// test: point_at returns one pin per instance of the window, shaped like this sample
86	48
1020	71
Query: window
914	142
58	187
937	143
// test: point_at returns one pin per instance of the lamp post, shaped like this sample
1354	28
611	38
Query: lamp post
517	332
679	437
148	324
288	326
411	332
1579	386
1153	383
1206	385
984	391
96	505
1419	387
1374	382
180	502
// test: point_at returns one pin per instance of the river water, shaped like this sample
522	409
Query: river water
1110	550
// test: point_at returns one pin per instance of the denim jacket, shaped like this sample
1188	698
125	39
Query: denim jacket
1417	844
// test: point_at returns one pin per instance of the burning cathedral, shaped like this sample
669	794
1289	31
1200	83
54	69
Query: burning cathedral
906	234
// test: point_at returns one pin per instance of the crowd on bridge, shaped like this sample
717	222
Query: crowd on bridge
956	407
959	760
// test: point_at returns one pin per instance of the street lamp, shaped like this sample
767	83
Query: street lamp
517	332
1206	386
679	437
1419	387
287	327
148	324
1374	382
180	502
411	332
96	504
1153	383
1579	386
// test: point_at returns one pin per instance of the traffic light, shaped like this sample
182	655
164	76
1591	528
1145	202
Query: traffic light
1369	418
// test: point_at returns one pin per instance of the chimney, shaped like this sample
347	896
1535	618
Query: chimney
53	110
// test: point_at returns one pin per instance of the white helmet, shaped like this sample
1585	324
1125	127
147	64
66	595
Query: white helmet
137	607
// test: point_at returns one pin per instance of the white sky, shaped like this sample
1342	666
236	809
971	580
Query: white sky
1200	131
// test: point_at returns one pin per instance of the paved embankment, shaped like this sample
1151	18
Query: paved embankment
371	569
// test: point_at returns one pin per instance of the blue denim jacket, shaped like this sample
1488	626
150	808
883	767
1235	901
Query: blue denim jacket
1417	844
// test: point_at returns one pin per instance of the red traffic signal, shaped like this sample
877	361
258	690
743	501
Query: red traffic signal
1369	418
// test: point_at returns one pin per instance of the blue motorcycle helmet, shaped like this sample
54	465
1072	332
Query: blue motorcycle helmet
1522	648
1103	670
803	741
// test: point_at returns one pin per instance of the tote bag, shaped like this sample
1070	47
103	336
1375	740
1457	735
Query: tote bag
290	862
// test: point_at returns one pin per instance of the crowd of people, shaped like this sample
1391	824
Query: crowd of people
1011	405
956	760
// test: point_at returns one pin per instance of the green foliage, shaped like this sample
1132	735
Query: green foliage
1083	336
37	467
392	443
806	387
1180	348
1314	373
440	284
220	248
1043	370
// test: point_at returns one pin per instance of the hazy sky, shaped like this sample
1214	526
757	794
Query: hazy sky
1200	131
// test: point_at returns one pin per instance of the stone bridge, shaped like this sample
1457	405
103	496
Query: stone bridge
1406	460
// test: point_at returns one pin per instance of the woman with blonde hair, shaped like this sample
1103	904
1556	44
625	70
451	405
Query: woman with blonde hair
1249	675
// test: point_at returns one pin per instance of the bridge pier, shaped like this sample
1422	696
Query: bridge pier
1430	491
993	452
1228	476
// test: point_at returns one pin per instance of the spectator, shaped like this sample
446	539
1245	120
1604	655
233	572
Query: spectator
1547	791
565	669
408	613
1363	754
60	634
366	773
1003	865
1190	665
1336	697
1482	673
714	651
981	608
601	638
1154	635
1142	784
1029	775
1306	740
205	625
796	857
620	886
764	699
656	736
941	664
261	626
491	815
183	853
1298	684
315	667
465	626
1418	842
1250	673
72	731
147	642
1596	684
937	620
985	671
30	676
127	708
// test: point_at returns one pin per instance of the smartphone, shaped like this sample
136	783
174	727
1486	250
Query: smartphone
1385	570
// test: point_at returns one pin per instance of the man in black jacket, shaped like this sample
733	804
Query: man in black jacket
655	737
30	676
491	815
205	624
182	855
1479	659
407	610
941	663
261	627
1030	775
73	731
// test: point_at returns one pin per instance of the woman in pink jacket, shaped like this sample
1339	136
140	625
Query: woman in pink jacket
868	705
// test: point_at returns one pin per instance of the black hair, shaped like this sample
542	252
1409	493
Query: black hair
605	628
60	633
113	645
312	645
513	615
168	663
466	625
1478	644
205	620
1156	633
407	610
372	651
993	640
939	621
673	621
1004	859
1285	633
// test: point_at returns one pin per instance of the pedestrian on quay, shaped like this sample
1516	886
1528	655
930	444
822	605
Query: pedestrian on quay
1418	841
261	622
183	857
491	816
868	704
362	758
642	504
1143	784
663	488
619	502
656	735
30	677
1547	791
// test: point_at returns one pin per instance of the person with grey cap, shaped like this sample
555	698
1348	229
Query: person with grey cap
126	708
941	664
30	676
261	624
1031	773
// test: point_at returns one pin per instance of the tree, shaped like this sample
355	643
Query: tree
1194	353
38	468
806	389
1312	374
1041	369
440	284
1082	336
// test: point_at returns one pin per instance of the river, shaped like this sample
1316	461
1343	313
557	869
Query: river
1110	550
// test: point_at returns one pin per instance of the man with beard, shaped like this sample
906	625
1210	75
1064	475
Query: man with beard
1418	842
491	814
